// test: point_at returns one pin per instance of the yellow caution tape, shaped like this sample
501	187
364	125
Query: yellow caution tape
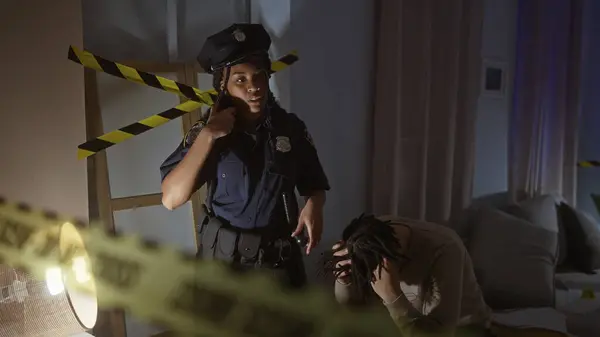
162	285
109	139
98	63
589	163
284	61
197	97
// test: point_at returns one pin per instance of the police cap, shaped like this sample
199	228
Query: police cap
232	45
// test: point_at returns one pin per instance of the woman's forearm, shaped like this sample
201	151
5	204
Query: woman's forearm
179	184
412	322
402	311
318	198
343	293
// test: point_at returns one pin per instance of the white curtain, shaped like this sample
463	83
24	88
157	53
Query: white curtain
427	81
543	125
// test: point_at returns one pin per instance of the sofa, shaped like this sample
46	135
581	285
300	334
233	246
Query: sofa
538	257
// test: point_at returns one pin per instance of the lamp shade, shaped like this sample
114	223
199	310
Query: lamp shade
45	307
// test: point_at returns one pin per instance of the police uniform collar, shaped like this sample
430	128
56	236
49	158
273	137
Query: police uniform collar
262	122
265	121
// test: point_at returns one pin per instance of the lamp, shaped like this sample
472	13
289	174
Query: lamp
50	307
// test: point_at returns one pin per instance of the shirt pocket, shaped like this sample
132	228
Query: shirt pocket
231	181
284	165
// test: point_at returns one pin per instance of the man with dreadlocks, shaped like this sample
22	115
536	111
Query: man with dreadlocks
421	271
252	155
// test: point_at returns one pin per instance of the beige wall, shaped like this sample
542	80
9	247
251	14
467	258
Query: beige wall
42	105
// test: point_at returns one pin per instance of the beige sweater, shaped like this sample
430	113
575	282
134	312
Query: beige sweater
438	281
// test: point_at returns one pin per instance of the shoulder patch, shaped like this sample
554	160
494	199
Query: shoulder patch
192	134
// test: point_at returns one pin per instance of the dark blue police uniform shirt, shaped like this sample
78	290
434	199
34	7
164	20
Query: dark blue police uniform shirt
251	173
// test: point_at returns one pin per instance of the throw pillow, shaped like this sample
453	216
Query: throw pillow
514	260
563	243
542	211
591	228
463	222
579	253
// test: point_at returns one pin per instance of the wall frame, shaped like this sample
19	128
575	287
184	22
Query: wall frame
494	78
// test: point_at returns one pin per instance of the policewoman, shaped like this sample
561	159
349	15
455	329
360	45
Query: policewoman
252	155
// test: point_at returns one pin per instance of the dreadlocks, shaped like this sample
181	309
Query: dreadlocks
368	240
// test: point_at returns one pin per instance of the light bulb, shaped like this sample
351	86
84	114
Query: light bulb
54	281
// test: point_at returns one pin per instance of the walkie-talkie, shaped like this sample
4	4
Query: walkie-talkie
301	239
224	101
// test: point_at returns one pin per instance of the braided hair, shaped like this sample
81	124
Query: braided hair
262	61
369	241
218	77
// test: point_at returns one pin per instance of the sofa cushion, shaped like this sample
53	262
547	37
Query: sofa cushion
542	211
580	253
563	242
463	222
514	260
591	230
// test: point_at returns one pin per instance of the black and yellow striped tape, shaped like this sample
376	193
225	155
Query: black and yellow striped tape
161	285
109	139
589	163
284	62
98	63
196	96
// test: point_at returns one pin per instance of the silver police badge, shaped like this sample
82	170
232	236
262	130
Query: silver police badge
239	36
282	144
